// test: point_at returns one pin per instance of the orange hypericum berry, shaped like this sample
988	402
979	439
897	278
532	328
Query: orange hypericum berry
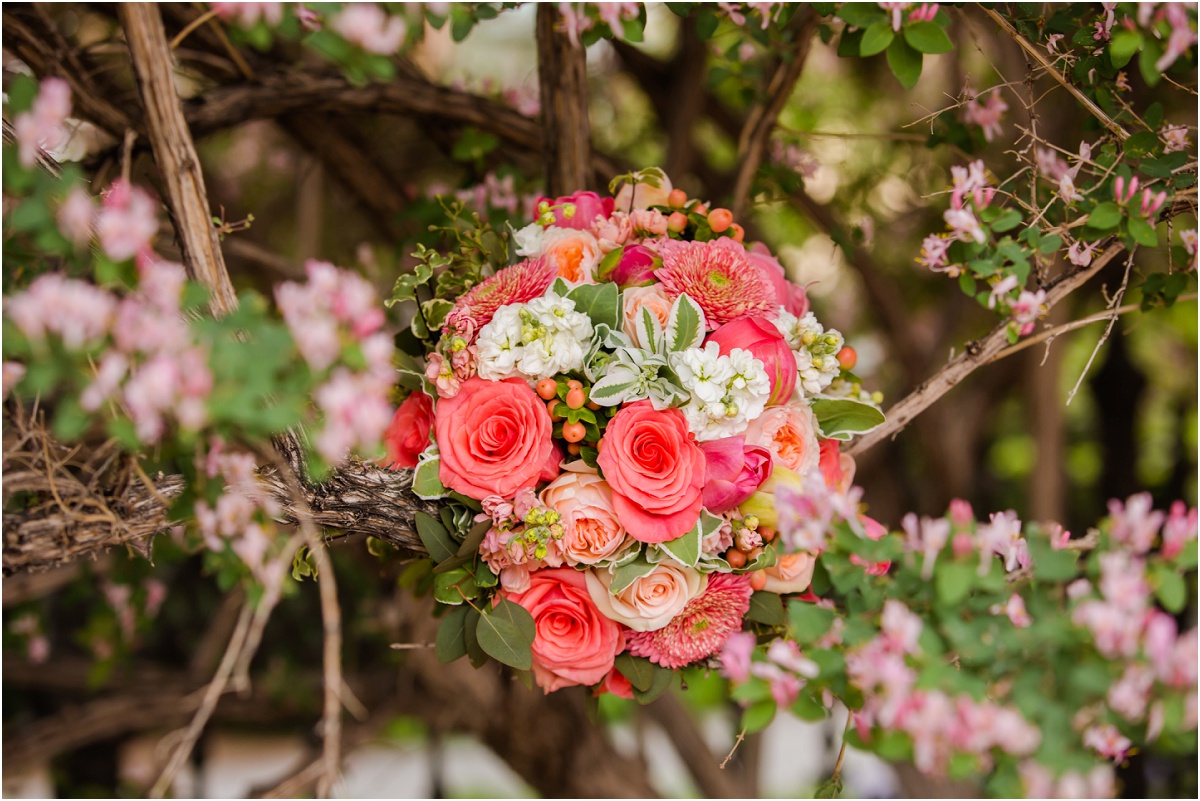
595	407
677	198
677	222
767	533
719	220
739	233
847	357
758	580
546	388
551	406
574	432
574	384
700	208
735	558
574	449
575	398
754	554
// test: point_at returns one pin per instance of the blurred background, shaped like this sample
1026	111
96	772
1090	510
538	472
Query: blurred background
104	658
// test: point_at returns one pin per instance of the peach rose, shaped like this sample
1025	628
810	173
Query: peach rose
649	602
591	531
792	573
408	433
574	252
789	432
573	643
655	469
636	298
493	437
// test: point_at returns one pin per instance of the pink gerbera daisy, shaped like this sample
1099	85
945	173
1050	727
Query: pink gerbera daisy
703	626
718	276
519	283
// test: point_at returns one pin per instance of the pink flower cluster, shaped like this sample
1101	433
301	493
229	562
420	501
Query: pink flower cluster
43	126
371	28
333	310
938	724
985	114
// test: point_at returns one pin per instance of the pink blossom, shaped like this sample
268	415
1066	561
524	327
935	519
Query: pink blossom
1107	741
1028	306
1182	35
1081	255
371	28
76	311
735	656
247	15
964	226
75	217
127	222
1119	189
986	114
309	19
897	10
1067	190
924	13
42	127
1175	137
1136	523
113	368
1016	612
1002	536
356	411
1122	82
1052	42
927	537
968	180
1130	694
1152	202
1059	536
1179	529
1187	238
13	373
574	21
934	249
1001	290
1049	163
901	628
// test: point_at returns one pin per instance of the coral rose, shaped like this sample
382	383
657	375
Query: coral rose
573	643
792	573
408	433
790	433
591	531
633	300
493	437
656	471
763	340
652	600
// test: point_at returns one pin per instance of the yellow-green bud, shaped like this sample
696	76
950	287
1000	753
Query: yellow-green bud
568	210
750	521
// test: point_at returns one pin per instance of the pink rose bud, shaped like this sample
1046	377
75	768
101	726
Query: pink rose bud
633	265
733	472
587	206
762	339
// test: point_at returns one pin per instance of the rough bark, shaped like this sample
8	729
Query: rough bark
175	153
562	77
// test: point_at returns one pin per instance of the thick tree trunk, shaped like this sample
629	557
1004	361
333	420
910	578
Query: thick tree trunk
562	76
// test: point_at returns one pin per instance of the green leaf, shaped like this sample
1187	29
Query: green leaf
706	24
639	670
426	481
469	548
434	537
926	37
601	302
471	634
1141	144
876	39
685	325
1006	221
435	312
1124	44
905	63
1170	588
861	15
1143	232
840	417
766	608
1147	58
849	44
1105	216
953	582
685	549
451	636
663	677
809	621
455	586
758	716
503	638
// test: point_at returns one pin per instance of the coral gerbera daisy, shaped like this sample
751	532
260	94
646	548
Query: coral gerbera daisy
718	276
703	626
519	283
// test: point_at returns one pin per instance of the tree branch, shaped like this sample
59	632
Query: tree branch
680	726
175	153
752	142
1037	55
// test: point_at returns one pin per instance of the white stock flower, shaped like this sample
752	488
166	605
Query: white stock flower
529	240
727	392
539	339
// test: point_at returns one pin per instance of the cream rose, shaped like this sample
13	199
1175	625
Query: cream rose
642	196
591	531
792	573
790	433
636	298
650	602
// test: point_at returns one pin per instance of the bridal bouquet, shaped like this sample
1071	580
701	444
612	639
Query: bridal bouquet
607	420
